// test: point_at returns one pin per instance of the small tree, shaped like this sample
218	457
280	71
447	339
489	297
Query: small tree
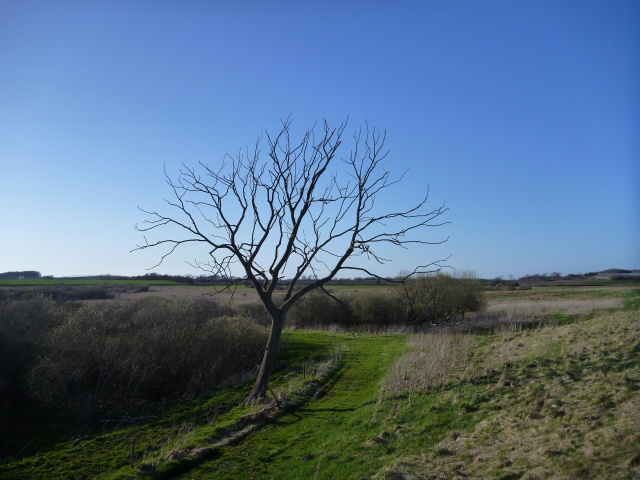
293	213
440	299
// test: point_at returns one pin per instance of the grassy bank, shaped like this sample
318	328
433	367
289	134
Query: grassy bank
560	401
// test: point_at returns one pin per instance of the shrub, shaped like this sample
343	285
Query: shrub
117	356
440	299
318	309
255	311
435	300
378	308
24	325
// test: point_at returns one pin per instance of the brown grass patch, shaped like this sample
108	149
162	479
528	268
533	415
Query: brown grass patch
568	407
433	361
575	306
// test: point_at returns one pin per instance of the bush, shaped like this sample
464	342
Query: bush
440	299
377	308
24	325
254	311
317	309
93	358
434	300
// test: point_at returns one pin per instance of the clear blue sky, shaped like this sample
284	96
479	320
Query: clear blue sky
524	117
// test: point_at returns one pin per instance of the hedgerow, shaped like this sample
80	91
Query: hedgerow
93	358
423	301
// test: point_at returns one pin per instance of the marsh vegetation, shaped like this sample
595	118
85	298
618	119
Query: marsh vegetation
542	383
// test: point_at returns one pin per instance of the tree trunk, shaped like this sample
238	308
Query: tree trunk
268	360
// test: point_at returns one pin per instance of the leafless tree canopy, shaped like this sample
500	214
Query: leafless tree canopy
292	212
301	209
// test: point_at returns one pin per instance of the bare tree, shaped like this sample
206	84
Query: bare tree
302	211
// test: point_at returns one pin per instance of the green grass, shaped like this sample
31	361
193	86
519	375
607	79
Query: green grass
326	435
343	402
51	451
106	452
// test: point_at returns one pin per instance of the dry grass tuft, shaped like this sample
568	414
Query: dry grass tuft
575	306
430	365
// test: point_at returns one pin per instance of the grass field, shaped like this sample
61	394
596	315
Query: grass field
555	397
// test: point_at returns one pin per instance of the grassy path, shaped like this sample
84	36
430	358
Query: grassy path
326	438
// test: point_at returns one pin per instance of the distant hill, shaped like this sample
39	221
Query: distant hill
26	274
